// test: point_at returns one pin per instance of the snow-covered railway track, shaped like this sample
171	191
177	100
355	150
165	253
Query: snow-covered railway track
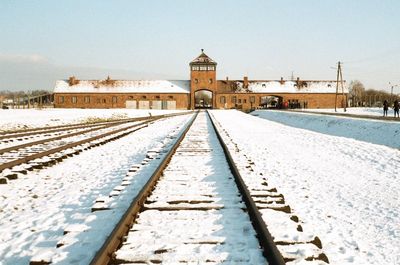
191	211
35	155
295	245
16	139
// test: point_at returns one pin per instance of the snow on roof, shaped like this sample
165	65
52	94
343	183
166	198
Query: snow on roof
290	87
123	86
203	59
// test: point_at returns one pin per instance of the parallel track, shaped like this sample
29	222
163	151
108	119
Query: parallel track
221	198
56	148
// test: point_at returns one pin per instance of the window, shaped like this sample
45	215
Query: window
104	100
170	97
203	68
144	97
114	99
234	99
196	81
222	100
130	97
157	97
86	99
211	68
244	101
195	68
210	81
252	99
74	99
61	99
240	101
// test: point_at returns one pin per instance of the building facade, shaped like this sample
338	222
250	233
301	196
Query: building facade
203	90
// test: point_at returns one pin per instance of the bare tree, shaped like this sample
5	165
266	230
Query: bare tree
357	91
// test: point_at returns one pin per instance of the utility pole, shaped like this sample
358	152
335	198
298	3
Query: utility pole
340	75
337	85
344	99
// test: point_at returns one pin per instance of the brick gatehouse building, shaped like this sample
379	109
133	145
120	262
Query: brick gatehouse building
203	90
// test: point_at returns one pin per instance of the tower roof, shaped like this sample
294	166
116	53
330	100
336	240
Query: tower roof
203	59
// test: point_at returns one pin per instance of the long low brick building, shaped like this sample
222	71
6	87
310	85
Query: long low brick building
203	90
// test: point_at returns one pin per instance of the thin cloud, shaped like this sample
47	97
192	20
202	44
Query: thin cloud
23	58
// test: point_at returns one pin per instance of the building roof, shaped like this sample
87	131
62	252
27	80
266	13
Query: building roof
203	59
302	86
123	86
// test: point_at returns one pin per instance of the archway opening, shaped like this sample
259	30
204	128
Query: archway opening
271	102
203	99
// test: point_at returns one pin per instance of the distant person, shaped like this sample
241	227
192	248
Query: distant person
396	108
385	108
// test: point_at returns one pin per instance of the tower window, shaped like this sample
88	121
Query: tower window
196	80
210	80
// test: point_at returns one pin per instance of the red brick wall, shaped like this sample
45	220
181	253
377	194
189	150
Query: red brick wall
105	100
315	100
203	82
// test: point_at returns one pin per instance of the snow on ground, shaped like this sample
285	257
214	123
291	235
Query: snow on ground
344	190
30	118
35	209
354	110
221	235
372	131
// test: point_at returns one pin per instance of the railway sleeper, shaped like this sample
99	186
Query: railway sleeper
284	227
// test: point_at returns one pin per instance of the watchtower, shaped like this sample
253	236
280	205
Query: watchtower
203	82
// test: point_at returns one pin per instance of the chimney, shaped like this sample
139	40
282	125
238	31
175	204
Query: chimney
245	82
282	82
73	81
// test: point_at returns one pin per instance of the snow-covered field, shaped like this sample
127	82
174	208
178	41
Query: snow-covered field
344	190
372	131
339	180
356	111
37	208
30	118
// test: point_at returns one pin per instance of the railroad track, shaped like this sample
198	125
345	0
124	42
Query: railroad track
36	154
192	210
293	242
196	208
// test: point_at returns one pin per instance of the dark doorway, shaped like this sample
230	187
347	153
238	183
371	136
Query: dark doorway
203	99
271	102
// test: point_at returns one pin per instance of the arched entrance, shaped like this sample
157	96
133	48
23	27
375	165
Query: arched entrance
271	102
203	99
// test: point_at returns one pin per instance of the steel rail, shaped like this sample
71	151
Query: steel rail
67	146
104	254
270	249
70	145
42	130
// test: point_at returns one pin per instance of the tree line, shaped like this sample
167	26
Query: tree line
361	97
